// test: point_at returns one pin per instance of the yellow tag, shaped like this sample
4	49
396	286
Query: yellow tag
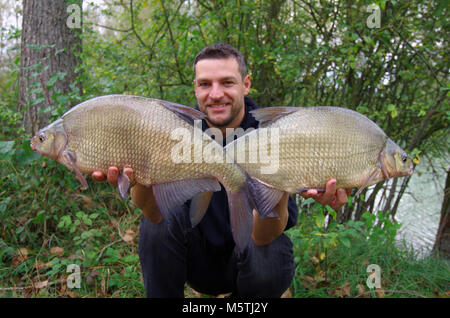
416	160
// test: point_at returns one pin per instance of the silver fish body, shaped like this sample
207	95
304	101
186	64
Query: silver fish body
158	140
316	144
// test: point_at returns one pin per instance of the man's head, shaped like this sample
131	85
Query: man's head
221	82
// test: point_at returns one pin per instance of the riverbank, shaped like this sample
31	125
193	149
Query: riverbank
343	269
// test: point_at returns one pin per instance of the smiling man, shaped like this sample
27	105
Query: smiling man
173	253
220	87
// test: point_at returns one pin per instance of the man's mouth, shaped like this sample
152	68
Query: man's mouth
219	107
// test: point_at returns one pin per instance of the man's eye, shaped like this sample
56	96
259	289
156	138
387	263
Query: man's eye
203	84
228	83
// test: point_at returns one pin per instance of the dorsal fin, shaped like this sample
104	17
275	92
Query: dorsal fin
186	113
268	115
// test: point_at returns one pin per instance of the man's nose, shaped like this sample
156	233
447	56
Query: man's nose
216	92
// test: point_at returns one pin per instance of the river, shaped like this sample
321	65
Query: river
420	207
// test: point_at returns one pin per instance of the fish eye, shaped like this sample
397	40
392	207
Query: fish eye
404	157
41	138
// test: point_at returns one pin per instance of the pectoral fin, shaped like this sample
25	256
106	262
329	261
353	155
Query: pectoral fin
268	115
123	184
264	197
71	159
372	175
172	195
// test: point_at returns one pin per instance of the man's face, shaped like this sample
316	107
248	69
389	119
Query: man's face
220	91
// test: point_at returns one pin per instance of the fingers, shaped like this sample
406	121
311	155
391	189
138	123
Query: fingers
333	197
341	199
98	176
329	197
112	175
311	193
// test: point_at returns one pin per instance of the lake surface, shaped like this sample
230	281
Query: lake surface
420	207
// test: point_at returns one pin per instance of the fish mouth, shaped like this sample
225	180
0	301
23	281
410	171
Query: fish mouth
33	144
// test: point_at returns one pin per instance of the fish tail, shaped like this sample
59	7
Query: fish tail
241	216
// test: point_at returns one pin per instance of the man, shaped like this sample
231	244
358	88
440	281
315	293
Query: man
172	252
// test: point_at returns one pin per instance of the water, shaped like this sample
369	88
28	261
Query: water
420	207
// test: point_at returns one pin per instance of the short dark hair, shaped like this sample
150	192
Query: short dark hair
222	51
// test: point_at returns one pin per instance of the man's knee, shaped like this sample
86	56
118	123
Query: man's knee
267	271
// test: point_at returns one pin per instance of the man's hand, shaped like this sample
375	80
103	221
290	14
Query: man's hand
112	175
141	195
331	197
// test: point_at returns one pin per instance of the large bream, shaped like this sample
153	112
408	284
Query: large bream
316	144
119	130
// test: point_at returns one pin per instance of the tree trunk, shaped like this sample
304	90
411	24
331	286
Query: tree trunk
51	43
442	243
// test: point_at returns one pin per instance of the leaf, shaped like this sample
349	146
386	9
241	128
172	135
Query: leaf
344	290
380	293
40	285
58	251
331	211
21	256
6	149
320	219
129	236
315	260
361	290
345	241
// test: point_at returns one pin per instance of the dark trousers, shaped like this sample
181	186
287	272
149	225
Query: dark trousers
172	253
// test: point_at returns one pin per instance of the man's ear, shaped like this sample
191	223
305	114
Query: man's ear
247	84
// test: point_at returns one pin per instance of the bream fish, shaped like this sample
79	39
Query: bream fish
314	145
120	130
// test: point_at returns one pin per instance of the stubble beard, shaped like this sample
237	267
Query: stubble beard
224	123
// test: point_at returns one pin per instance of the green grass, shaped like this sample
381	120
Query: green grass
341	270
48	223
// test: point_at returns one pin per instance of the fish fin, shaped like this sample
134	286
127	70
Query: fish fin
241	217
71	159
369	179
174	194
198	207
265	198
268	115
123	184
186	113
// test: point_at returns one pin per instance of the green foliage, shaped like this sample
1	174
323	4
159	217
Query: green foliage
42	208
332	260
